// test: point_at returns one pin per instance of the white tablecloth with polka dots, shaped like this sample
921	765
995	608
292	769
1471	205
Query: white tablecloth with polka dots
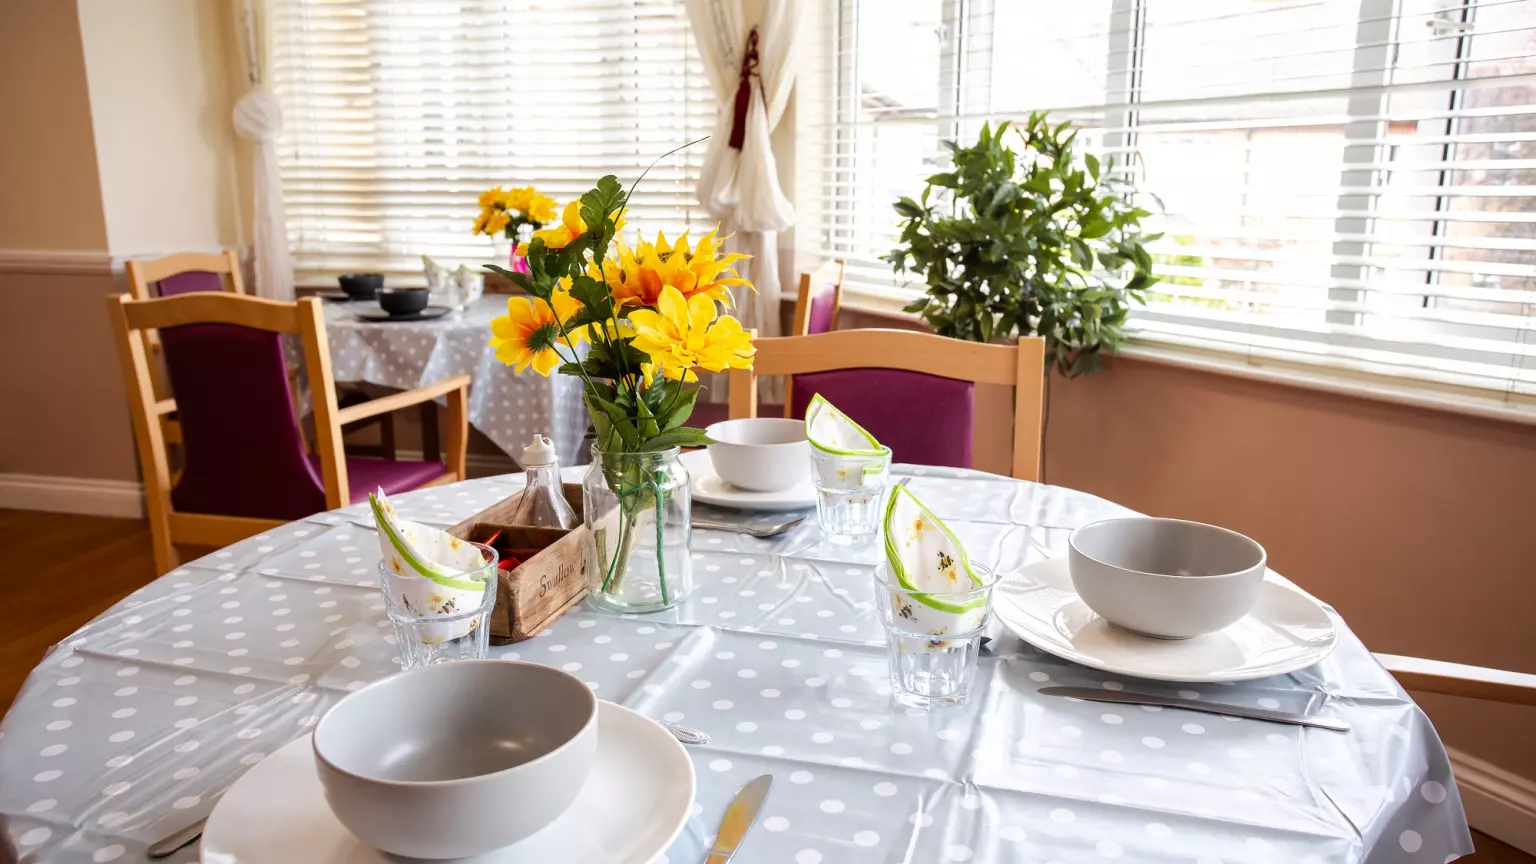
130	728
510	408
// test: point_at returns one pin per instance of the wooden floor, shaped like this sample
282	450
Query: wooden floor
78	566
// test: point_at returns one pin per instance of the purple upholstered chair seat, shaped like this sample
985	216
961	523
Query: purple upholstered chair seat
244	454
924	419
367	475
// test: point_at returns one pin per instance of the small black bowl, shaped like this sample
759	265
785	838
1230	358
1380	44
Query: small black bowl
361	286
403	301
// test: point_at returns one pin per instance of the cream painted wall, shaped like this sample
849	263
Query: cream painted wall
159	95
51	198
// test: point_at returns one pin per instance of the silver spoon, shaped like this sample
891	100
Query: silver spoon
165	847
760	533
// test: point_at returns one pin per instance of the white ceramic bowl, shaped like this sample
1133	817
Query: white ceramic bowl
1166	578
760	454
457	759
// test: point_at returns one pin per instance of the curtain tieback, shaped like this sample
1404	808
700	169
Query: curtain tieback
749	63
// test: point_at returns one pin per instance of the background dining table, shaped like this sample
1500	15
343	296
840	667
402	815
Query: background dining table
508	407
131	728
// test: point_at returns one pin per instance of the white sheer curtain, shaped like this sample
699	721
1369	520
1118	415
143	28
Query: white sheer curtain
258	118
750	50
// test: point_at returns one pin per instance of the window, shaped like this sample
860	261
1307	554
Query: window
1349	183
397	115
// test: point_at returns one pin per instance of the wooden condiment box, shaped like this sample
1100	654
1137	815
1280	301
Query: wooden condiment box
536	592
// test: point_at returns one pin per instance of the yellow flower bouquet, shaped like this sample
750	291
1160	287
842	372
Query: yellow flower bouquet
635	324
506	211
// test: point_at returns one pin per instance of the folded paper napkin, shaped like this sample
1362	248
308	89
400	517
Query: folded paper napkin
435	570
450	287
927	560
855	453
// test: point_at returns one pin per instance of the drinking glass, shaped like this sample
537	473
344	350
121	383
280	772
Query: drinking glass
849	491
932	638
436	623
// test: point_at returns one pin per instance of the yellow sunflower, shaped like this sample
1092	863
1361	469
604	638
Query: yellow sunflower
561	235
683	333
637	276
530	331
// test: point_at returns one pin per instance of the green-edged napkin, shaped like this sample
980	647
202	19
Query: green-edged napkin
927	559
433	568
830	430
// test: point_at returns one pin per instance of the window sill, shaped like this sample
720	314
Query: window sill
1380	388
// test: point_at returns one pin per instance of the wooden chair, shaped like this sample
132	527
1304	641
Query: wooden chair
821	298
246	469
910	389
1457	679
186	272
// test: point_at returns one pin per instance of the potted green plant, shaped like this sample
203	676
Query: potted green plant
1044	244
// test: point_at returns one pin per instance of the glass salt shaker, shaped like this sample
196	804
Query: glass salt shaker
543	503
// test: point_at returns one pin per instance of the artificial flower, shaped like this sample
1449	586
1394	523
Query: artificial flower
539	208
636	277
561	235
497	221
528	335
491	197
682	333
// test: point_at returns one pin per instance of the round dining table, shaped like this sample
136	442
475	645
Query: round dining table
131	729
507	407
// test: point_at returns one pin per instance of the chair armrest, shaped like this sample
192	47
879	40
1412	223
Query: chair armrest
1457	679
165	406
396	401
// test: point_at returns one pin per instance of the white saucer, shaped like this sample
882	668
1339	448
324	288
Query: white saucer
708	488
630	811
1285	631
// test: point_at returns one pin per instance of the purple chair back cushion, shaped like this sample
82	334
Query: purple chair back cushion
820	319
189	282
243	452
924	419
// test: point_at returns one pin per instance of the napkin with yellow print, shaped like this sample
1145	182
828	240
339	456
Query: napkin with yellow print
927	560
438	571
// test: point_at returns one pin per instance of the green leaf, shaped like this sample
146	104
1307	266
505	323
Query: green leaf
908	208
1093	165
590	292
600	203
679	437
517	278
682	411
621	427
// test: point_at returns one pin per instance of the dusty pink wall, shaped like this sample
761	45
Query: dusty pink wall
1419	526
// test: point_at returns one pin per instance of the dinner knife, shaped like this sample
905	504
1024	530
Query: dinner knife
738	819
1094	694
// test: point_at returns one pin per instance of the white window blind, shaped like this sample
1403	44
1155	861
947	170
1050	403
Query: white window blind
1349	183
398	114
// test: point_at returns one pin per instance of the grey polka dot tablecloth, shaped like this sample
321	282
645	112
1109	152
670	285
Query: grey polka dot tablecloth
510	408
131	728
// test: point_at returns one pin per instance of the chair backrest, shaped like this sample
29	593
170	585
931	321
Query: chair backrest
912	390
243	450
821	295
185	273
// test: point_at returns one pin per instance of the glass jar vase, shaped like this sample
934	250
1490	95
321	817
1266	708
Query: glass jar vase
637	507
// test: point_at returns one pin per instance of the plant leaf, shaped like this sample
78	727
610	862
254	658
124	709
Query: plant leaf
680	437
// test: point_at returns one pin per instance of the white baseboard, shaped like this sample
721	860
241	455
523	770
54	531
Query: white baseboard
83	495
1498	803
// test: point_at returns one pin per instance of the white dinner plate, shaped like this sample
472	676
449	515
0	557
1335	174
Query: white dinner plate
631	809
1286	630
708	488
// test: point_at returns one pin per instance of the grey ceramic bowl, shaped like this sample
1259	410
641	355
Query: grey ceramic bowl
1166	578
760	454
457	759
